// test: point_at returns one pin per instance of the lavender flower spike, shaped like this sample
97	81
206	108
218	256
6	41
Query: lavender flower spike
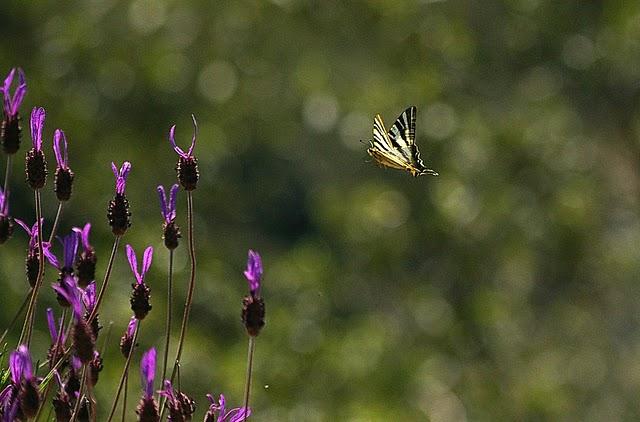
11	130
23	383
32	262
141	293
168	208
11	105
219	407
187	167
121	176
180	406
126	341
86	265
253	273
148	371
37	124
64	176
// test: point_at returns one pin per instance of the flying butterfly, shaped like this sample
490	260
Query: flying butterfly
396	148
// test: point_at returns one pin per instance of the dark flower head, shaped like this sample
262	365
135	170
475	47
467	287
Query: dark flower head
10	104
146	262
37	124
121	176
180	406
253	273
60	149
148	371
95	367
179	150
218	408
168	208
86	264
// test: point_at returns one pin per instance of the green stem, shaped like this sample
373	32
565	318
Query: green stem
125	371
167	337
247	387
192	285
83	382
124	398
105	281
56	221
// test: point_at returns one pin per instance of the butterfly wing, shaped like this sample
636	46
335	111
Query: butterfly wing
382	149
403	136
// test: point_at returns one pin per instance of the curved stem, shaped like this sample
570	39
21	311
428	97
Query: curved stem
83	382
124	398
167	337
105	281
125	371
247	386
25	336
15	317
192	285
56	221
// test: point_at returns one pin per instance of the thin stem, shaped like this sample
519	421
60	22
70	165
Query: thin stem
15	317
124	398
56	221
28	322
105	281
83	382
169	311
7	174
48	389
247	387
125	371
192	284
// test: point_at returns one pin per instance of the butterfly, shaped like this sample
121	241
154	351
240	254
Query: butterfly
396	148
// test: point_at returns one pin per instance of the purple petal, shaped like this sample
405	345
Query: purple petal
60	151
148	371
253	273
21	91
114	169
195	134
76	363
163	201
6	92
51	322
172	139
20	364
133	263
68	289
84	235
237	415
172	201
132	326
146	260
70	249
53	260
125	169
2	197
11	411
168	391
37	124
24	226
89	296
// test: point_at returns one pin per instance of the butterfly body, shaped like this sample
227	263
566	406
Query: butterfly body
396	148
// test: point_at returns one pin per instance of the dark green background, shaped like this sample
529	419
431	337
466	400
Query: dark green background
505	289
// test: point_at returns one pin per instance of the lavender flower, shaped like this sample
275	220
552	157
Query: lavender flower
11	130
20	398
62	402
63	182
32	261
187	166
66	279
95	367
126	341
86	264
35	162
180	406
89	298
171	231
218	408
6	222
253	308
118	211
147	409
141	293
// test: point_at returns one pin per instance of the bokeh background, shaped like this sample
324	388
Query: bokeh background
505	289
